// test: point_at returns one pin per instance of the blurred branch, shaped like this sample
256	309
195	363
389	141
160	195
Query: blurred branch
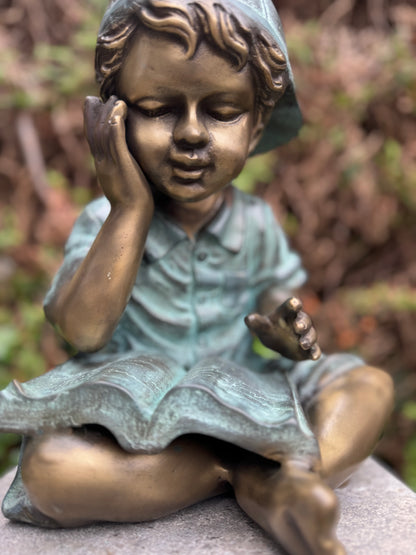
36	21
336	11
377	13
32	153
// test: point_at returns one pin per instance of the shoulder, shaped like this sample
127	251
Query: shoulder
96	210
248	201
88	225
93	216
257	213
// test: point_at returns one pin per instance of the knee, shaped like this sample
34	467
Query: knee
377	380
47	470
37	458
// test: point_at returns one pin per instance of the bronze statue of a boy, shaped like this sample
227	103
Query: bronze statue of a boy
166	403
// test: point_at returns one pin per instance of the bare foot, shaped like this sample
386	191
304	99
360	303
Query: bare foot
293	504
305	506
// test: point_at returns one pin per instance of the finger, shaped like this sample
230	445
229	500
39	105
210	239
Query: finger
96	121
92	109
108	109
302	323
119	110
308	339
288	310
111	128
117	131
257	322
92	105
111	109
315	352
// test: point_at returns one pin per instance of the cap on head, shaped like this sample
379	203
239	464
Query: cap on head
285	119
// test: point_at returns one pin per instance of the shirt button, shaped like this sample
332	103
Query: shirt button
202	256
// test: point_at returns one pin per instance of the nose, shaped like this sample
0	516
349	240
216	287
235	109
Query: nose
190	129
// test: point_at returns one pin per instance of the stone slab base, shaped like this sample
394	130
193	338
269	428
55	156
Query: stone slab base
378	517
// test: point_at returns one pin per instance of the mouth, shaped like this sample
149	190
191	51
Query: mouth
189	174
187	169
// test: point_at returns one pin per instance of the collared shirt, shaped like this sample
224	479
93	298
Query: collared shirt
190	296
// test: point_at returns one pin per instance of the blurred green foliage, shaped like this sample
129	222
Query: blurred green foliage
409	472
381	297
257	170
9	449
52	72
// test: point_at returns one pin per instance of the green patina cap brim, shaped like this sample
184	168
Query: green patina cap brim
284	123
286	118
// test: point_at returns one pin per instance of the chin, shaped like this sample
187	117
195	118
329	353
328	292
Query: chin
187	192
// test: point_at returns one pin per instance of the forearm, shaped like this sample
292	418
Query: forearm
88	307
348	417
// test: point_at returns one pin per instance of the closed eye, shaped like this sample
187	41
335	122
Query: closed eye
151	108
155	112
225	114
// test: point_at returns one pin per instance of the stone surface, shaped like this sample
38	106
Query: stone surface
378	516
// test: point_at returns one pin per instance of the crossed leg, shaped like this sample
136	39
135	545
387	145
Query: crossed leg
78	477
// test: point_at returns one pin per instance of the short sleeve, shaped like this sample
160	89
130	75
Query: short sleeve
311	377
275	264
288	269
83	234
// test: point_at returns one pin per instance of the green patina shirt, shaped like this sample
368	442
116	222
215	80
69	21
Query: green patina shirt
190	297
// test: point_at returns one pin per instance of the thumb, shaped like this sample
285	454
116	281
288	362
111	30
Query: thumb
257	323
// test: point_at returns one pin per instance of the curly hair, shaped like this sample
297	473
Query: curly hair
190	23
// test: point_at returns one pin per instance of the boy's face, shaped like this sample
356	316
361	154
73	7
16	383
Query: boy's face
191	122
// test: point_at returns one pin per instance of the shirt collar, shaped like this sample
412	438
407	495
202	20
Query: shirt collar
227	226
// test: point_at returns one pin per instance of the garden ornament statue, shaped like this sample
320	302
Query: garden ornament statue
166	403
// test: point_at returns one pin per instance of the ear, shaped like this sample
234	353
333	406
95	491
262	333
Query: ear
256	133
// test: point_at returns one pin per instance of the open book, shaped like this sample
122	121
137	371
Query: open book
146	402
